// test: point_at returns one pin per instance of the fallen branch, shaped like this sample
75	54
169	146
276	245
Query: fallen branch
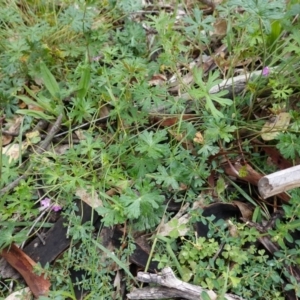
251	176
279	182
172	287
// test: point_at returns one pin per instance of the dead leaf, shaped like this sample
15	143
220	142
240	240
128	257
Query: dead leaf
61	149
7	271
38	284
274	126
198	138
92	199
181	218
211	3
167	120
12	126
277	158
157	79
80	134
22	104
23	294
117	281
6	139
181	137
220	27
104	111
233	231
35	108
33	137
13	151
249	175
245	209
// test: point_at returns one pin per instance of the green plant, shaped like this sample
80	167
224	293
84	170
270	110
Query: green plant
207	262
202	93
288	145
95	64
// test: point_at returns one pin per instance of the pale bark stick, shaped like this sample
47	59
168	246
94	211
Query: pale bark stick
172	286
279	182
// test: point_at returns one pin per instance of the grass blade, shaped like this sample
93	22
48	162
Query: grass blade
50	81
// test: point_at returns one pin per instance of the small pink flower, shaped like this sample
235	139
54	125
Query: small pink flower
45	203
56	207
265	71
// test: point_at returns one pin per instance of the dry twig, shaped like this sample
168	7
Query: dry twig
42	148
171	287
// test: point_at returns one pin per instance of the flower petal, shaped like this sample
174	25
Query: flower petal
266	71
45	202
56	207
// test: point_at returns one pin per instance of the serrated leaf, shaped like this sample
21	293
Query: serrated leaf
288	145
204	92
235	281
134	209
166	179
150	144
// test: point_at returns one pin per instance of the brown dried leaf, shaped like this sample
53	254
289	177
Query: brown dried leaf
244	172
14	151
232	229
6	139
198	138
35	108
38	285
157	79
274	126
7	271
15	124
104	111
245	209
211	3
61	149
80	134
12	126
22	104
92	199
33	137
220	27
181	137
249	175
167	120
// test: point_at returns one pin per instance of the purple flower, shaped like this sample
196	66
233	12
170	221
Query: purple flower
265	71
45	203
56	207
